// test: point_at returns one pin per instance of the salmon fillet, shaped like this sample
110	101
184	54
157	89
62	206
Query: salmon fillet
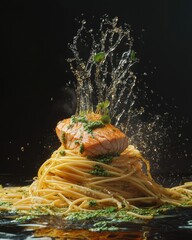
89	136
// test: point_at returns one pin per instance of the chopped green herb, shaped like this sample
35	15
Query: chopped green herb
133	57
110	212
76	119
103	109
81	149
98	170
47	210
90	126
76	142
70	125
111	209
103	105
24	219
107	159
5	204
105	119
63	138
103	226
99	57
62	153
92	203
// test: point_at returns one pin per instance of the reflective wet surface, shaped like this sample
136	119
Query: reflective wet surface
175	224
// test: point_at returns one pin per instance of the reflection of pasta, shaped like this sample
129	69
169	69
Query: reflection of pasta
84	234
77	183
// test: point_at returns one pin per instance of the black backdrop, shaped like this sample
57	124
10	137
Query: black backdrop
34	73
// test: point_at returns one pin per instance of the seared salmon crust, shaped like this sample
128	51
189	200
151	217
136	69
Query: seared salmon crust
101	139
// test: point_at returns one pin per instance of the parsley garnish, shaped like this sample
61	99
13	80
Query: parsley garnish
63	138
103	109
62	153
81	149
90	126
107	159
98	170
99	57
92	203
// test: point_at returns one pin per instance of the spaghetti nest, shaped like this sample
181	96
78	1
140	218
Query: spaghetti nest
75	183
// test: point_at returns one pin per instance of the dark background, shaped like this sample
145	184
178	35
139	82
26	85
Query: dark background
34	76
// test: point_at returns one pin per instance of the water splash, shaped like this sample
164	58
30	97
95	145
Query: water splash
102	64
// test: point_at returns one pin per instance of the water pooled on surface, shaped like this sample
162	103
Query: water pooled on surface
103	64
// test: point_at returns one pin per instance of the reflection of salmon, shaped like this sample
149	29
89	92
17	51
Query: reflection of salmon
102	140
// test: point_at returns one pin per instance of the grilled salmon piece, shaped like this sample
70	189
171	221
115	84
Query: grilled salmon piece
89	136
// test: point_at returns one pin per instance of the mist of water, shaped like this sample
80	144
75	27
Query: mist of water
102	62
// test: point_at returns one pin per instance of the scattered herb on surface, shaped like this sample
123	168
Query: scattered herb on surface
85	215
24	219
111	209
103	226
118	215
105	218
5	204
